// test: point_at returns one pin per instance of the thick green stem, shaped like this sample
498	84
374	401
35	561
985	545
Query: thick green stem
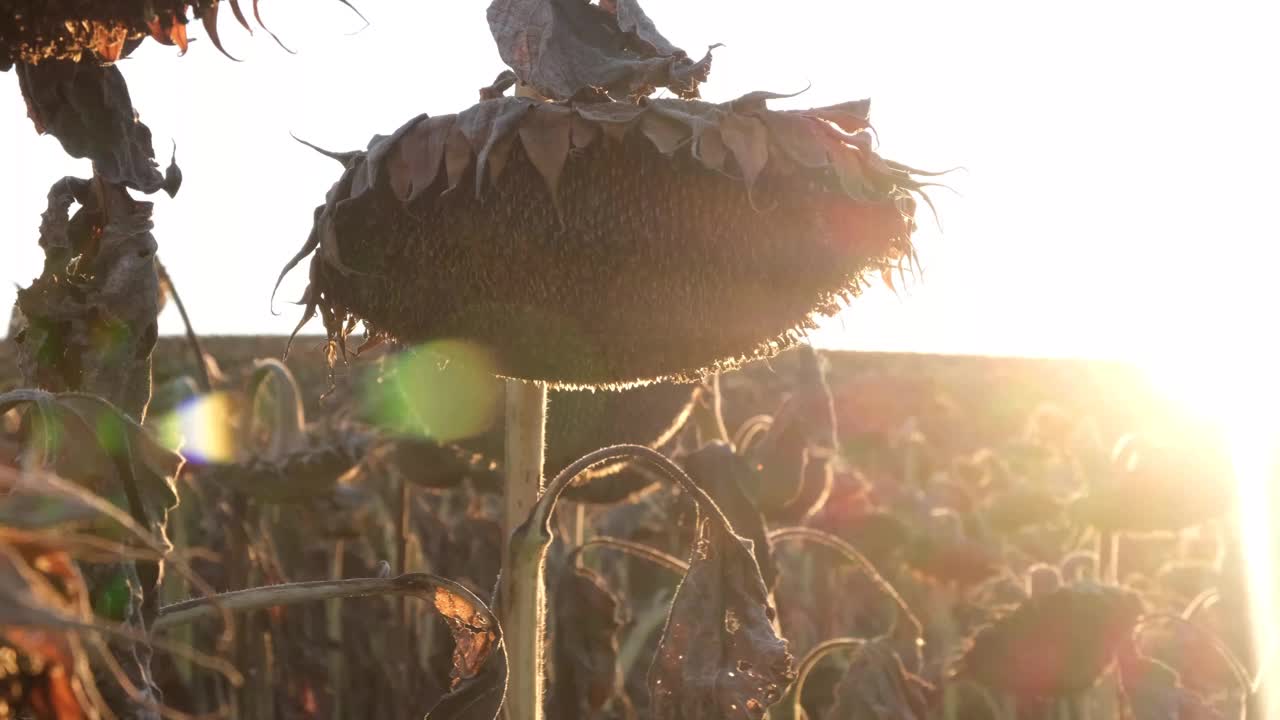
522	602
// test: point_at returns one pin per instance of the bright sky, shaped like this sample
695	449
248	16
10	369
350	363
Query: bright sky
1118	154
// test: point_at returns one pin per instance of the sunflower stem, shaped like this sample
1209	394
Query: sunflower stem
521	593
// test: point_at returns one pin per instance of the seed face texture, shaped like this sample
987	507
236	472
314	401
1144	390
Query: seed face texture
608	244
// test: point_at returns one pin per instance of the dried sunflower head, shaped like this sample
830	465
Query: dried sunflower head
35	30
1055	644
607	244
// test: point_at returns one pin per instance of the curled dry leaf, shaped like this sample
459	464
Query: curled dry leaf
1053	645
794	456
91	315
719	656
563	48
877	686
87	107
86	440
721	473
588	619
603	244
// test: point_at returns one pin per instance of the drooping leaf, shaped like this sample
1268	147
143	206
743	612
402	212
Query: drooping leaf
588	618
877	686
794	457
87	107
716	469
563	48
85	439
719	656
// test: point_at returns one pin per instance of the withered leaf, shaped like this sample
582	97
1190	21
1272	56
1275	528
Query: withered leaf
849	116
491	123
748	140
43	599
719	656
87	107
588	618
566	47
87	440
478	681
793	458
91	323
721	473
877	686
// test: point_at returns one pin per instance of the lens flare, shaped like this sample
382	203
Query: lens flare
1239	393
203	427
445	390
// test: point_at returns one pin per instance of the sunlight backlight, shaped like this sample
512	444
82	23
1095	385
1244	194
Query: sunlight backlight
201	426
1238	392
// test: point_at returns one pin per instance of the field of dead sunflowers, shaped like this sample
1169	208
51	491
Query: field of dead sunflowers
582	463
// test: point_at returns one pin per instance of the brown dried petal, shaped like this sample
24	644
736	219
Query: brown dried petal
666	135
545	137
748	140
710	150
849	116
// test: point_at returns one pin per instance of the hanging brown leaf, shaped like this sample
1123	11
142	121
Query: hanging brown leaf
566	47
721	473
587	622
719	656
87	106
794	456
723	265
877	686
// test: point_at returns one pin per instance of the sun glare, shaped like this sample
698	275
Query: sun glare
1238	393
